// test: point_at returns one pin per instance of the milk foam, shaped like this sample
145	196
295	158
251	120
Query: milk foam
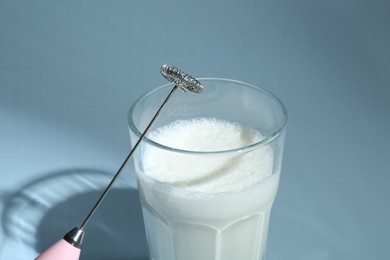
205	172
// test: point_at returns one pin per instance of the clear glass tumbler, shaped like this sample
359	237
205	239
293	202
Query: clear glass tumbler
224	222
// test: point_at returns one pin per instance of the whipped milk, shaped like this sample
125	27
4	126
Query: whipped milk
206	197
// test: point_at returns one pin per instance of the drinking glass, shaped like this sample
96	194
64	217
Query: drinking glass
225	220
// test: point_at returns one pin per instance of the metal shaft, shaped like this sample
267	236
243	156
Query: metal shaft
108	188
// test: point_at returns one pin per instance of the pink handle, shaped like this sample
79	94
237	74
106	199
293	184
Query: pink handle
61	250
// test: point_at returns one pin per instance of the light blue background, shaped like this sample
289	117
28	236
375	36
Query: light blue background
69	71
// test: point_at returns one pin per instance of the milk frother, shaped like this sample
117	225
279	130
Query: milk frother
69	247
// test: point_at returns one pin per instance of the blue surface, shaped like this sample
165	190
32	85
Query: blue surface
69	71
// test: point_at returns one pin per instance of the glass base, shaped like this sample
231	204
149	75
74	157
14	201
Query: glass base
243	238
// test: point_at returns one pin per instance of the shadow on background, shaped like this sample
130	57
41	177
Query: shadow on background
40	213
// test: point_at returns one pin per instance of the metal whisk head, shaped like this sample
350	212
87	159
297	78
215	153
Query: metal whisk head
179	78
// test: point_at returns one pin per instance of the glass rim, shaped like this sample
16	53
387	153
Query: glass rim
263	142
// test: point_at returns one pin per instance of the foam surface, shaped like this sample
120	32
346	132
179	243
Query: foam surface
209	173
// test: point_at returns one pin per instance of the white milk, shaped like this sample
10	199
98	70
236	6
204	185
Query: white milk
213	206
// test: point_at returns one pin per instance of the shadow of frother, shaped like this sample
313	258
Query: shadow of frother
41	213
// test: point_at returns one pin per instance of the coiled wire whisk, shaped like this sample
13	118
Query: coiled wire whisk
180	79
